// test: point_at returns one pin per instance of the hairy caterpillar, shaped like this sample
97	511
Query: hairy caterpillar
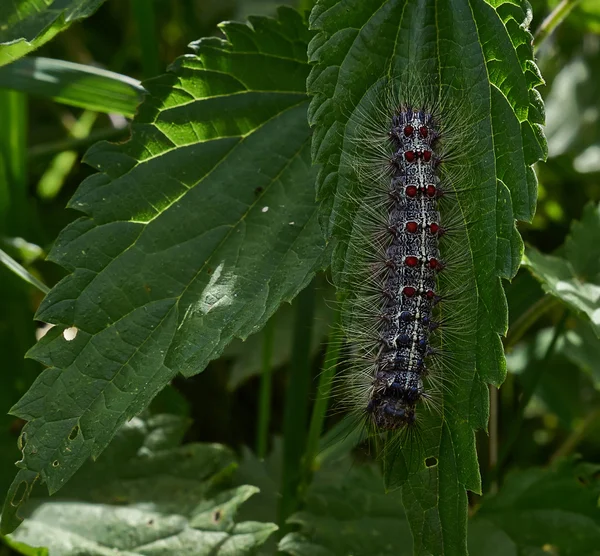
407	272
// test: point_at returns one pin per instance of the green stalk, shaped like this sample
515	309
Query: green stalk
323	393
528	318
45	150
145	17
526	396
296	405
554	19
264	406
13	168
62	164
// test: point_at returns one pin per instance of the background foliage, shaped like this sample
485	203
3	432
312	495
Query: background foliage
52	112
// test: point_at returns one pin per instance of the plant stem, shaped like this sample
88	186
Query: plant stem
45	150
526	396
528	318
14	208
145	18
576	436
493	427
323	391
553	20
62	164
264	407
296	405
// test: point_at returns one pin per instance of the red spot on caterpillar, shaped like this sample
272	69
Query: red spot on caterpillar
434	228
409	130
426	156
433	263
423	131
429	294
410	156
409	291
411	191
411	261
412	227
431	190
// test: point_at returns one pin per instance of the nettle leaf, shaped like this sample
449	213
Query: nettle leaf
27	24
197	229
556	509
147	495
348	512
575	277
480	52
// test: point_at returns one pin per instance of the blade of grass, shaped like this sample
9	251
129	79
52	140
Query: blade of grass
144	15
296	405
526	396
22	272
13	170
528	318
323	393
74	84
46	150
264	404
61	165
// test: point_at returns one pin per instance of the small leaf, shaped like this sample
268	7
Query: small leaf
28	24
575	277
74	84
144	497
197	229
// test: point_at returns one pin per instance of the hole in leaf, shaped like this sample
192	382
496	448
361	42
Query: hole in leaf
217	516
74	433
20	495
22	441
70	334
55	463
431	462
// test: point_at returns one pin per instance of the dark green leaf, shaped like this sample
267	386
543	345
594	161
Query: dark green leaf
197	229
147	495
27	24
556	509
574	278
74	84
480	52
348	512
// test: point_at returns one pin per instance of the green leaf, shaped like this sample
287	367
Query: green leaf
555	508
197	229
480	53
74	84
28	24
348	512
147	494
574	278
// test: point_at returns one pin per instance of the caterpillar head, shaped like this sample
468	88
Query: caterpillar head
391	414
